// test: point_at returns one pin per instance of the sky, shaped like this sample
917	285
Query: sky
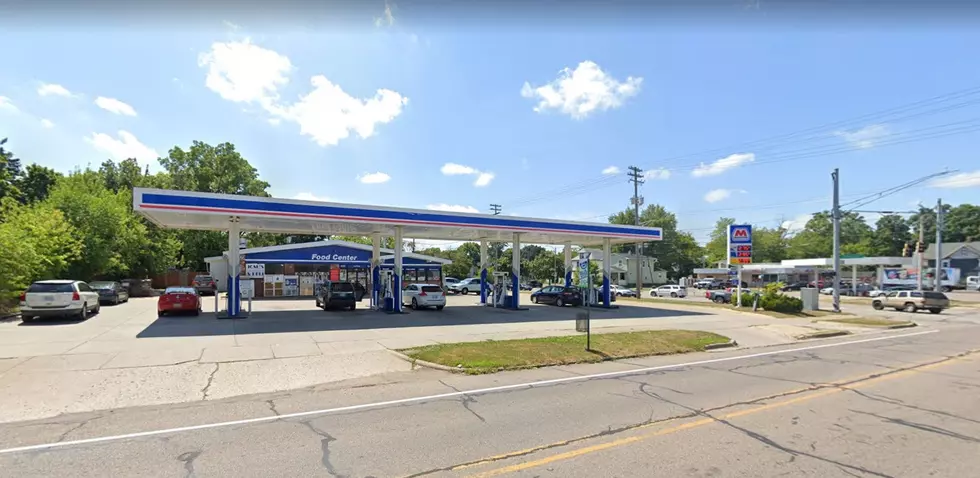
391	105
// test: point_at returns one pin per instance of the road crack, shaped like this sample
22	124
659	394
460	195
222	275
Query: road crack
204	391
325	440
466	401
188	460
272	406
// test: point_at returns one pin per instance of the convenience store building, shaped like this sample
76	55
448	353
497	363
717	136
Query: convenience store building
294	270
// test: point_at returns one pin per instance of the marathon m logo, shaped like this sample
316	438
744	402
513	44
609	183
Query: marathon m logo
740	234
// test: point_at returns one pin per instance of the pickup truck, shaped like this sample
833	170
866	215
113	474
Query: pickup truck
912	301
719	296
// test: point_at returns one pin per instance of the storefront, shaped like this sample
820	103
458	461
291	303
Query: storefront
295	270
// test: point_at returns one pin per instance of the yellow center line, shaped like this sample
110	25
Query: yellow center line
829	389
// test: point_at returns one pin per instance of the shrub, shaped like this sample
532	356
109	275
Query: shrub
781	303
747	299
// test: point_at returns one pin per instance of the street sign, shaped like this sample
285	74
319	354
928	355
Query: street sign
583	269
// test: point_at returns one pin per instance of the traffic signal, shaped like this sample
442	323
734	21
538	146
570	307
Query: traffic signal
907	250
920	247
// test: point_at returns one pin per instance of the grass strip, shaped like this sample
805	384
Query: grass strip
495	355
869	322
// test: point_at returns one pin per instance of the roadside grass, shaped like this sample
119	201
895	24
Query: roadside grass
806	314
869	322
495	355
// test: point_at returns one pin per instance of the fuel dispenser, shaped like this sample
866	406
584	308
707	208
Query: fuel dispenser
387	290
500	289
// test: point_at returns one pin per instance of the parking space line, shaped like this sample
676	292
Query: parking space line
403	401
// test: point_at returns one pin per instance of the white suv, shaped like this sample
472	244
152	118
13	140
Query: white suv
669	290
58	298
424	295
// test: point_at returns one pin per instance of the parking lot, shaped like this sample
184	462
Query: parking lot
127	356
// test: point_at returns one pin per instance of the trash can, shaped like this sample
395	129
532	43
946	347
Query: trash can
811	298
389	304
581	322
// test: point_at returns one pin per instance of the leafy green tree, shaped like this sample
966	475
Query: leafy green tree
546	266
769	245
10	172
36	183
676	253
717	247
890	236
817	237
962	224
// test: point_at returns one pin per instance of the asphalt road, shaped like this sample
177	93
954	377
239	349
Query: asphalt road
899	403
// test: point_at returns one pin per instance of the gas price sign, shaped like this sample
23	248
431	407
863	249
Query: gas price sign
740	244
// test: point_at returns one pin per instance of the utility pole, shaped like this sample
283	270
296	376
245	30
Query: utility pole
495	208
837	218
636	177
918	252
937	271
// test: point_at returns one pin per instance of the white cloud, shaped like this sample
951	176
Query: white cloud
48	89
582	91
386	18
7	105
961	180
453	169
246	73
723	164
113	105
797	223
46	123
659	173
373	178
452	208
127	146
483	178
610	170
312	197
865	137
716	195
274	121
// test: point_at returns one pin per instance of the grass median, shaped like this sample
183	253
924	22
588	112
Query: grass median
495	355
806	314
870	322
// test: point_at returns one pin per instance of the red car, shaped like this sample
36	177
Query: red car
179	299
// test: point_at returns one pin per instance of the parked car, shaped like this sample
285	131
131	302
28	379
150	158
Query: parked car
110	292
336	295
534	284
58	298
709	284
669	290
175	300
620	291
447	282
719	296
912	301
558	295
424	295
885	289
526	286
794	286
466	286
205	284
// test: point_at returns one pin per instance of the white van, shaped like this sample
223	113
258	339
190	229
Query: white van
973	283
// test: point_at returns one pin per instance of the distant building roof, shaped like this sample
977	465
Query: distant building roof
949	248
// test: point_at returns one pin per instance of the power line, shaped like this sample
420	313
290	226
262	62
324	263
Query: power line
495	208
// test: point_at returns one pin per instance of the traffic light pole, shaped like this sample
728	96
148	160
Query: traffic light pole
937	271
836	217
918	254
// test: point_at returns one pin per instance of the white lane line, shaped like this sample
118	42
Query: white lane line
478	391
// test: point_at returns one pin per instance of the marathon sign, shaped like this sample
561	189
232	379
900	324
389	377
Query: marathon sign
740	234
740	244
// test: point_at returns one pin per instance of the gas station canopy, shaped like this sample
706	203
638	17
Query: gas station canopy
210	211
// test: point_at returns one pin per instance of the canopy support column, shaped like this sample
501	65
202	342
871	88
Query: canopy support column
854	280
568	264
515	276
606	272
376	271
483	271
234	310
397	292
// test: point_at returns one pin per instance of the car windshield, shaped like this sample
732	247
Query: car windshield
342	287
180	290
102	285
50	288
431	288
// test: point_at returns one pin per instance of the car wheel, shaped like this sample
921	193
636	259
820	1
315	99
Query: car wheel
83	314
935	311
910	307
440	307
465	291
877	305
559	302
415	304
98	308
161	313
534	299
719	300
673	294
353	306
196	312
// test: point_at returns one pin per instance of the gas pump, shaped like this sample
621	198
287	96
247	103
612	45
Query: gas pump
387	290
500	288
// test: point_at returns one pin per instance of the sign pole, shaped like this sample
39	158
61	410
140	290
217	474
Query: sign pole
739	249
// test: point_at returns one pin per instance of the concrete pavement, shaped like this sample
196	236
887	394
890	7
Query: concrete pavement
893	404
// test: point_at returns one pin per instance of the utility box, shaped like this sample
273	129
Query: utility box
811	298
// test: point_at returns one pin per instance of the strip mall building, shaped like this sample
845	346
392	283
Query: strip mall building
293	270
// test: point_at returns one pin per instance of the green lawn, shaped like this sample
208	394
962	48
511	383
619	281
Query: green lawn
868	321
495	355
779	315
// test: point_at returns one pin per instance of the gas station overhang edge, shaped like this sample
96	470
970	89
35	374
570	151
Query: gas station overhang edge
211	211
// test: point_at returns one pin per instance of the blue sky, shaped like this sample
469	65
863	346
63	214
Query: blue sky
374	112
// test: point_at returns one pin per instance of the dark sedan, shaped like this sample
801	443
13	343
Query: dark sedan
794	286
110	292
558	295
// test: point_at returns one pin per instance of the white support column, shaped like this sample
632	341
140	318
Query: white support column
376	271
234	268
515	275
397	292
483	271
568	264
854	280
606	271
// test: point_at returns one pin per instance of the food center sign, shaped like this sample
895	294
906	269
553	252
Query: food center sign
740	244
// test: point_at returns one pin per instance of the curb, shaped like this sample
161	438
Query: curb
903	326
423	363
823	335
724	345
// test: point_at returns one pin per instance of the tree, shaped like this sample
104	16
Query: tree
890	236
546	266
962	224
717	247
674	253
9	172
769	245
817	237
36	183
531	251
